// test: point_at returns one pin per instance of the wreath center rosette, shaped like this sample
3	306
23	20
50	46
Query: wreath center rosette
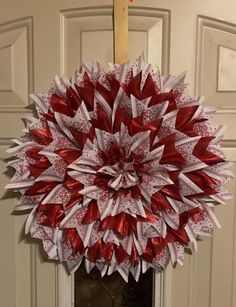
121	168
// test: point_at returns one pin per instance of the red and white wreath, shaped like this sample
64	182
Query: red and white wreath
121	168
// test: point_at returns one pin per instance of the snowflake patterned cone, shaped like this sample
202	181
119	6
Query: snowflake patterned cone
121	168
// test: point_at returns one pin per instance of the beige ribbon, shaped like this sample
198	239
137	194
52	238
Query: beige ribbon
121	44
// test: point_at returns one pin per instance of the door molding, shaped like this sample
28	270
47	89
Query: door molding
65	288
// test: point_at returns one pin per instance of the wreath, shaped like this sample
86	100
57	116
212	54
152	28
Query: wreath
121	168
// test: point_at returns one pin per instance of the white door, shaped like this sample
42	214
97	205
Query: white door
39	39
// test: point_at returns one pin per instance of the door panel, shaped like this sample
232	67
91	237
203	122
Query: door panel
41	39
87	34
